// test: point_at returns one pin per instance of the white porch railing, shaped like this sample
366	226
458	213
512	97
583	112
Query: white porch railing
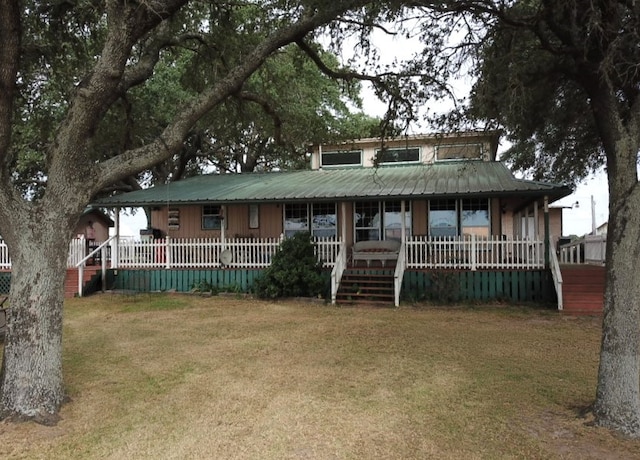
338	269
556	274
588	249
471	253
421	252
77	251
401	266
212	252
5	260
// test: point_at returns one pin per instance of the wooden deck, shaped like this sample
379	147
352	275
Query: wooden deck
71	280
583	289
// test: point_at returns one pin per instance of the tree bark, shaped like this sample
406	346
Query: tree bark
617	404
31	383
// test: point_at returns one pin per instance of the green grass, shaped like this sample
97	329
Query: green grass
177	376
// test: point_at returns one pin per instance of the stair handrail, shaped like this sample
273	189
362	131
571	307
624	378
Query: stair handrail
337	271
401	266
556	274
80	265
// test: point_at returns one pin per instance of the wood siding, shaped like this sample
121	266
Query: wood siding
236	222
270	221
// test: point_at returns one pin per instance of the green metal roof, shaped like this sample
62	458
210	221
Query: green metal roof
461	178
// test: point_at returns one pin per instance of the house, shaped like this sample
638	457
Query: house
445	198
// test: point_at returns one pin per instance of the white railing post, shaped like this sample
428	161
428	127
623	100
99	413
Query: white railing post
80	279
474	252
338	270
167	252
556	274
399	274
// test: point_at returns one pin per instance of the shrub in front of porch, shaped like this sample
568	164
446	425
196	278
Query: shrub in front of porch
294	271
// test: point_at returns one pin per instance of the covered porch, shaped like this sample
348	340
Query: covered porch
450	215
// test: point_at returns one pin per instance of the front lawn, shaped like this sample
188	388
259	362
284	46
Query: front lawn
179	376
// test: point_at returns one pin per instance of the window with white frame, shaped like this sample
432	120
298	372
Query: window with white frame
474	217
443	218
392	220
324	220
296	218
469	216
341	158
398	155
318	218
366	218
211	217
375	220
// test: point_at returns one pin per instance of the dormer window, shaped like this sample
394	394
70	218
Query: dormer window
398	155
459	152
341	158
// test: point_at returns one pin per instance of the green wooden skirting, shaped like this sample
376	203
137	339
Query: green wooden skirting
5	282
181	280
482	285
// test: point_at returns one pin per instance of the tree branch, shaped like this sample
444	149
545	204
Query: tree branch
10	35
170	141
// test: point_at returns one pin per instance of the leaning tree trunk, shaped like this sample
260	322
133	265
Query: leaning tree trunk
31	384
617	404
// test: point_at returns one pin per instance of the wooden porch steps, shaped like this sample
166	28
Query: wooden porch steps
366	287
71	279
583	289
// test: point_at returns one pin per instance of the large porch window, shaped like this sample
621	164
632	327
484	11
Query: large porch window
296	218
370	226
324	220
393	220
470	216
475	217
443	218
318	218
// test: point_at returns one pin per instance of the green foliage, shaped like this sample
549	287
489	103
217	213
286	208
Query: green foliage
540	94
445	287
294	271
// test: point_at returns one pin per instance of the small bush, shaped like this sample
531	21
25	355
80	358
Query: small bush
445	287
294	271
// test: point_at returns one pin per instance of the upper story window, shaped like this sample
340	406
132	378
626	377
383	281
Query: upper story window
211	217
341	158
398	155
459	152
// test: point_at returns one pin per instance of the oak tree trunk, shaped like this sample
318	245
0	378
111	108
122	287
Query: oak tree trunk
618	393
617	404
31	383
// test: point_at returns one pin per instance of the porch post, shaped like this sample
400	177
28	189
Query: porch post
343	221
403	225
115	253
546	232
536	229
223	224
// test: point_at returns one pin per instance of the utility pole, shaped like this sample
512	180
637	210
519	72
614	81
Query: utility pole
593	216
